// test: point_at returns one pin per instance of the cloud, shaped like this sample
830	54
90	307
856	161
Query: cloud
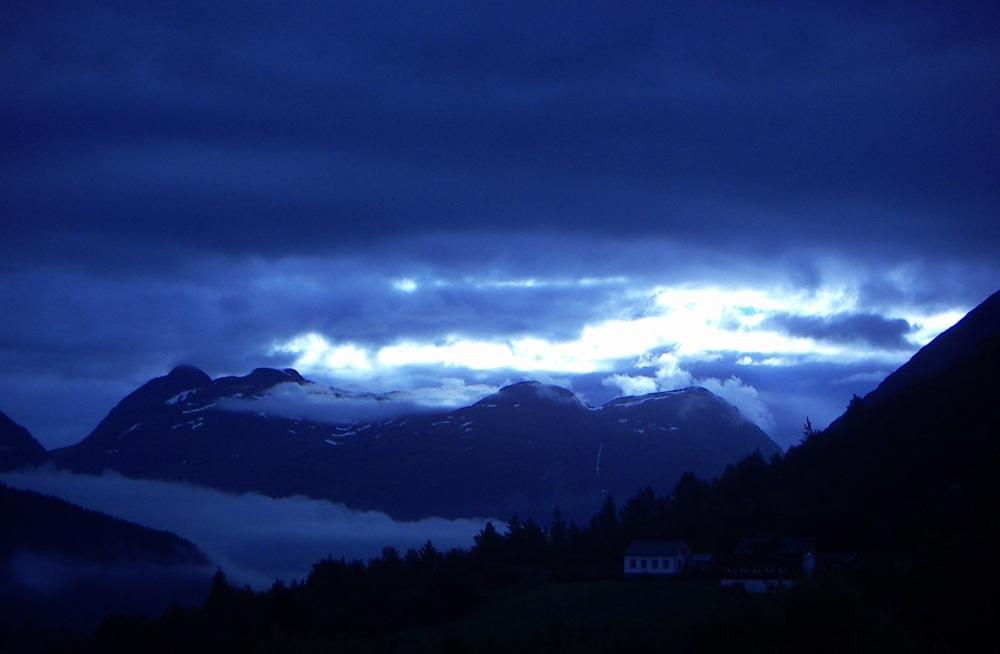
688	320
75	342
320	403
868	376
255	539
719	123
669	375
846	327
744	397
452	392
631	384
487	194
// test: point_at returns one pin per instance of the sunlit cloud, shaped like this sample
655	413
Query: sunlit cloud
641	339
930	325
689	323
405	285
631	384
314	351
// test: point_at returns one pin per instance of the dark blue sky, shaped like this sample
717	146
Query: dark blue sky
781	203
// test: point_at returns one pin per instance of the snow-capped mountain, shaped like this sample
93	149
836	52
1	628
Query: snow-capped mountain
526	449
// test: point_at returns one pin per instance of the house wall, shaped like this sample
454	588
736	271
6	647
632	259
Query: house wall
664	565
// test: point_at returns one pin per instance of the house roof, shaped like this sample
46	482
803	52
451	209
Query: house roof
656	548
797	546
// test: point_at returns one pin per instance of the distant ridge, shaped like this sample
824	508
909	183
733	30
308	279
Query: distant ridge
49	525
526	449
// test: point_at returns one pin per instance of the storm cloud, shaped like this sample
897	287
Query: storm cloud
283	131
845	327
489	193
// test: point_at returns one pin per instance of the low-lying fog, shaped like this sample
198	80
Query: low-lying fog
254	538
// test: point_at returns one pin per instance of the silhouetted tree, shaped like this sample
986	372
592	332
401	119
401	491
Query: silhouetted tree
807	429
639	516
489	543
558	535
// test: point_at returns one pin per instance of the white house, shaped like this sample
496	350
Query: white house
656	557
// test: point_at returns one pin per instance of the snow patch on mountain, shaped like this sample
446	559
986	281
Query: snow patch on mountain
180	397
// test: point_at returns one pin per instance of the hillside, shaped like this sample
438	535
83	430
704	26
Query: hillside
44	524
525	449
18	448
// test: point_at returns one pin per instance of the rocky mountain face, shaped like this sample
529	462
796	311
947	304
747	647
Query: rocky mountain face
18	448
527	449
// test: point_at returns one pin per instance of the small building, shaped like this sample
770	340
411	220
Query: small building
766	563
700	564
656	557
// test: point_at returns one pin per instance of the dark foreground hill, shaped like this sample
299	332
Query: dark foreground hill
18	448
913	462
42	524
65	567
919	455
526	449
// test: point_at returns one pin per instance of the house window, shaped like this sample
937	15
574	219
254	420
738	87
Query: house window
656	564
642	563
666	564
631	563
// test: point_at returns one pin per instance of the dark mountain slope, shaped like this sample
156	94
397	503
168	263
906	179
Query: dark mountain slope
913	463
44	524
967	339
66	567
17	446
526	449
921	452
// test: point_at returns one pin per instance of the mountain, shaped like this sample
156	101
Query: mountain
66	567
899	495
921	451
17	446
48	525
912	463
525	449
971	337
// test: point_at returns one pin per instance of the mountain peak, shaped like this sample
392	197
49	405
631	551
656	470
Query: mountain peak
186	373
634	400
267	377
529	391
294	375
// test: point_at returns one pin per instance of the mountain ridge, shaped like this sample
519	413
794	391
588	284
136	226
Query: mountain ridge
18	448
535	446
